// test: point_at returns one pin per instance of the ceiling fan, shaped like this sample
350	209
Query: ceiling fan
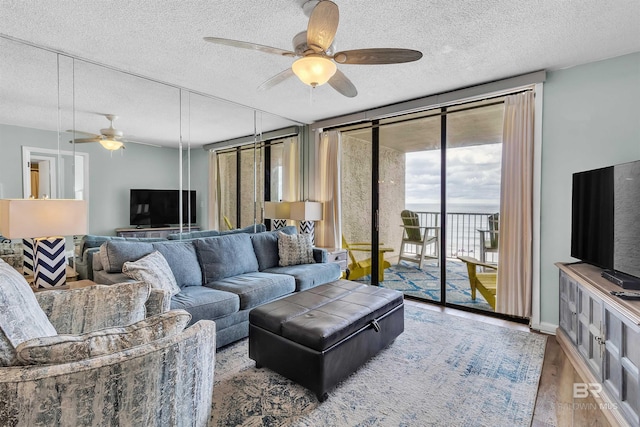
110	138
317	63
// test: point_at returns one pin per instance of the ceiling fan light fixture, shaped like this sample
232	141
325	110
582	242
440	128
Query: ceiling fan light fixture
111	144
314	70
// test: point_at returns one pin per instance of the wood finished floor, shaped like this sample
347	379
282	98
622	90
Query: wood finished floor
555	405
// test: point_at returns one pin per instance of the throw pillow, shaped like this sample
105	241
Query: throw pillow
295	249
265	245
72	348
21	318
154	270
77	311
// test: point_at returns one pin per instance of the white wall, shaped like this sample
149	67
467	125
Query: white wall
111	175
591	119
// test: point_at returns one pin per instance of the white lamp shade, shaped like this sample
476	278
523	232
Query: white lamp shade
20	218
277	210
306	211
314	70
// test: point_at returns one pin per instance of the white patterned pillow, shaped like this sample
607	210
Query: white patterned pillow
71	348
21	318
294	249
154	270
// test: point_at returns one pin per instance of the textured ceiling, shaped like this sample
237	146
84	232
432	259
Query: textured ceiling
463	42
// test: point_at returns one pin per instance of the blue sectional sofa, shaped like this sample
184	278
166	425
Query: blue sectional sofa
222	277
90	244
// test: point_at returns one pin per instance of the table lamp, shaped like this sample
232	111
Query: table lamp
278	213
306	213
41	223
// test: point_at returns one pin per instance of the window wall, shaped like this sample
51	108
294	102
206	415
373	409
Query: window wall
442	168
250	174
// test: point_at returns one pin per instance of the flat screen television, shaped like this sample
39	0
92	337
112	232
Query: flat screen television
159	208
605	226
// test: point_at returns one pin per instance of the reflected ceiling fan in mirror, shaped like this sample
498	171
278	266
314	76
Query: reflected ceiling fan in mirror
110	138
317	63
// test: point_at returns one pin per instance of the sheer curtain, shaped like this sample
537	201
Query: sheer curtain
513	292
328	232
290	170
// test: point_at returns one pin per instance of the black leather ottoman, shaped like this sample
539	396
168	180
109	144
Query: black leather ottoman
319	336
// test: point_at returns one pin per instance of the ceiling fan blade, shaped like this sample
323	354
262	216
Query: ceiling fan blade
323	25
83	140
342	84
277	79
377	56
151	144
250	46
83	133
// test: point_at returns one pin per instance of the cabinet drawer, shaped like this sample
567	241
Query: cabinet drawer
338	257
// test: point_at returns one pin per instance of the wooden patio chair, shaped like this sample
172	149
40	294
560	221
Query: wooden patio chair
360	268
419	236
489	238
483	282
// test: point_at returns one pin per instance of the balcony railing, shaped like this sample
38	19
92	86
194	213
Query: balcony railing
462	236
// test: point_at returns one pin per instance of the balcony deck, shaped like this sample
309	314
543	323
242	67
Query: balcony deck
462	239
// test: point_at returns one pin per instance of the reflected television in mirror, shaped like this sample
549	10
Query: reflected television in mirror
160	208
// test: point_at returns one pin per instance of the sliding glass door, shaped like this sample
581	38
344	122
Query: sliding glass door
473	165
435	202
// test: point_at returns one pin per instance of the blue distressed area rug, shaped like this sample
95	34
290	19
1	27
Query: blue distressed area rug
424	283
442	370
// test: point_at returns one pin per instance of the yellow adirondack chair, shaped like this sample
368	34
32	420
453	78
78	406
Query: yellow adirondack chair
360	268
483	282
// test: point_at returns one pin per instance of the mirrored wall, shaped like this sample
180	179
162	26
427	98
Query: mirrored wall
56	109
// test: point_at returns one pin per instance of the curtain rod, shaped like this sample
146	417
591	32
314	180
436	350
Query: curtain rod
437	100
433	112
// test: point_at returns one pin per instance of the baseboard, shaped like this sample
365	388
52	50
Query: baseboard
545	327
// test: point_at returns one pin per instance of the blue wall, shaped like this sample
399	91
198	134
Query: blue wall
591	119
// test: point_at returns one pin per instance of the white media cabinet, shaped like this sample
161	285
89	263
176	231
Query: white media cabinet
600	334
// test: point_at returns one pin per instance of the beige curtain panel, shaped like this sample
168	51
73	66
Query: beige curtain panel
513	291
328	232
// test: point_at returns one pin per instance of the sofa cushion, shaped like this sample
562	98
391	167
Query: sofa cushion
205	303
295	249
193	235
89	241
114	253
309	275
225	256
77	311
265	246
183	260
154	270
259	228
72	348
256	288
21	317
